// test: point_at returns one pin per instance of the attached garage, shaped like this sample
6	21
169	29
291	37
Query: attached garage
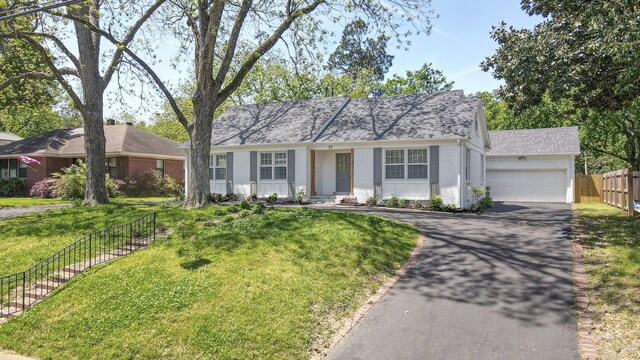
535	165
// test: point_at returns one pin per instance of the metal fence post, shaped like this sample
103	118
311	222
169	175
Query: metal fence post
154	226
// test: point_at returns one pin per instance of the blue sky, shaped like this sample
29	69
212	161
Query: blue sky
460	40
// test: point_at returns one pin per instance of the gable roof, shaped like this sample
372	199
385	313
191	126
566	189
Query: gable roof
120	140
549	141
446	114
7	136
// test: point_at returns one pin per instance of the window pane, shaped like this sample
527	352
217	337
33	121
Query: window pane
417	156
394	156
280	173
221	160
210	173
281	159
221	173
159	164
265	173
13	168
112	172
4	168
211	161
394	172
22	173
265	158
417	171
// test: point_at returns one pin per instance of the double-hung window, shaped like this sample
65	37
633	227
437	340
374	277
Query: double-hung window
273	166
220	167
406	164
160	166
394	164
112	168
22	170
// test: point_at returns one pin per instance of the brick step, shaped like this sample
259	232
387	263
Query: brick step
61	277
47	285
36	296
119	252
74	269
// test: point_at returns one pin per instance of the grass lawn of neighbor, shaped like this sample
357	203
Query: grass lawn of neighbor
26	201
226	285
612	261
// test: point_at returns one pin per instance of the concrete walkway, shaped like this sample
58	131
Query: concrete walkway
494	286
10	212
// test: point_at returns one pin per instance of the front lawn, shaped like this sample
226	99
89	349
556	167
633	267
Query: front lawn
612	261
26	201
271	285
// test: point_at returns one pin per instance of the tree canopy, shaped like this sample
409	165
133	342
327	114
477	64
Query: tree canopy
357	53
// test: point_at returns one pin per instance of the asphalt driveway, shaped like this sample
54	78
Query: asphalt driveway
494	286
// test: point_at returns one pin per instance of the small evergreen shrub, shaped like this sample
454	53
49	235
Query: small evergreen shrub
273	198
233	197
217	197
11	187
402	203
228	219
393	202
219	212
372	201
233	209
146	183
244	205
253	196
301	197
244	214
43	189
436	203
172	186
258	208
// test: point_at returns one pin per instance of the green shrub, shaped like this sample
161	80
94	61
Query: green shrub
253	196
244	213
233	209
217	197
219	212
393	202
273	198
148	182
258	208
233	197
244	205
301	197
228	219
372	201
11	187
70	184
402	203
417	204
436	203
482	205
172	186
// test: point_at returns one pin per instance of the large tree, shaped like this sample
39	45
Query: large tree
424	80
357	53
227	39
584	51
84	74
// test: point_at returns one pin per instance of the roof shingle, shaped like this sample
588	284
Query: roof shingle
549	141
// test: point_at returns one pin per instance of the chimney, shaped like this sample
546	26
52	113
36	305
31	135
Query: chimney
129	123
111	122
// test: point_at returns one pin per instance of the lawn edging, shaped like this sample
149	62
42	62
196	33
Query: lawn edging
585	323
349	323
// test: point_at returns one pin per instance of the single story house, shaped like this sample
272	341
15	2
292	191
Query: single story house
536	165
129	151
410	146
6	137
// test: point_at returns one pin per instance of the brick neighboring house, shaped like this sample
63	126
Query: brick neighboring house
129	151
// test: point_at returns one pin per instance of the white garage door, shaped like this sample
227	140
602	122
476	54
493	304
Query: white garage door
528	185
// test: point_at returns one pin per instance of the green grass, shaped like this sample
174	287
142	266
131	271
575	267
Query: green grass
272	285
612	260
26	201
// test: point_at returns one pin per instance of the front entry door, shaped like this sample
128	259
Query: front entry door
343	173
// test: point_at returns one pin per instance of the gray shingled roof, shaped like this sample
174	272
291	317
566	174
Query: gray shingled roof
286	122
9	136
434	115
70	142
548	141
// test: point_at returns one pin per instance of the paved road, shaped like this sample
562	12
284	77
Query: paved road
495	286
10	212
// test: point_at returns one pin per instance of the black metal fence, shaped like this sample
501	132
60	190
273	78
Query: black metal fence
20	290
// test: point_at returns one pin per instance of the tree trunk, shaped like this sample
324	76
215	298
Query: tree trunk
200	134
93	109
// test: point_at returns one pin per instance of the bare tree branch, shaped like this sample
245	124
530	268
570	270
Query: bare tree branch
232	44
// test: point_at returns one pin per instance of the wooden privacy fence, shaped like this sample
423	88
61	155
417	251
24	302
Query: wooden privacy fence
621	188
589	188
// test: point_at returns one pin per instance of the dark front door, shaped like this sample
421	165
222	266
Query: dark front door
343	173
